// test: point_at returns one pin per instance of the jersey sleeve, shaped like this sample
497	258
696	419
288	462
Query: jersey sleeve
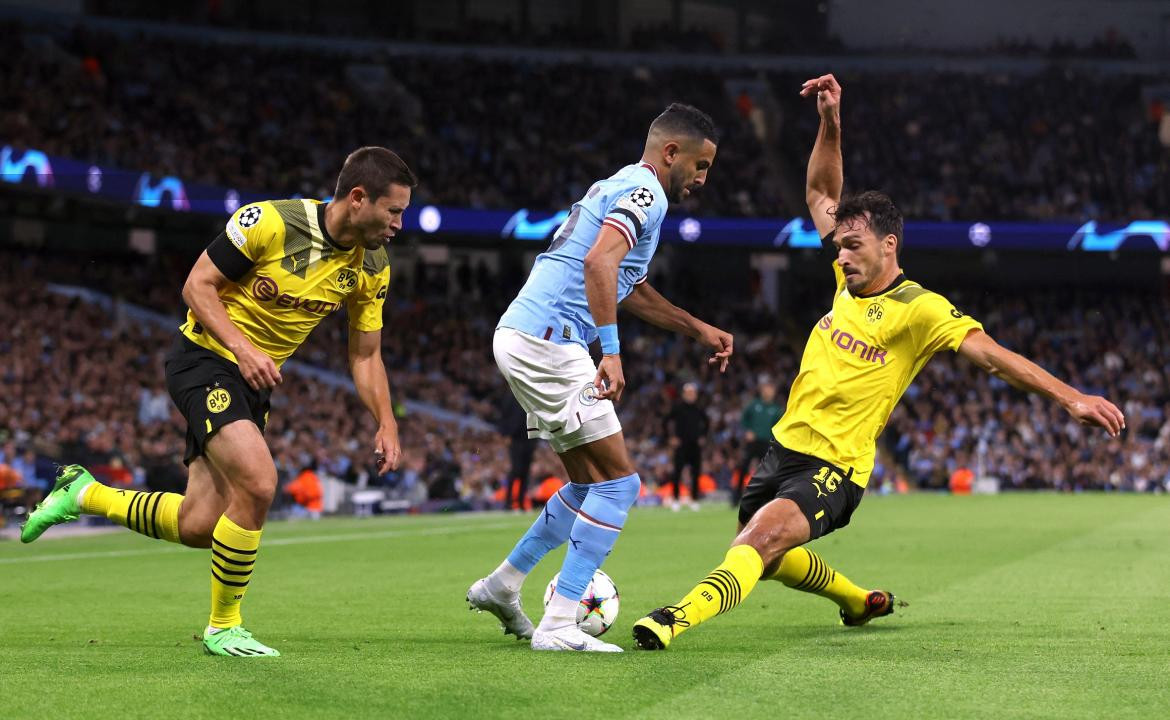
635	213
254	228
937	325
364	304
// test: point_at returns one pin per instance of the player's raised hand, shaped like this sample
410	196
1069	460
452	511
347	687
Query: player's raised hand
258	369
1096	410
610	381
828	92
722	342
387	451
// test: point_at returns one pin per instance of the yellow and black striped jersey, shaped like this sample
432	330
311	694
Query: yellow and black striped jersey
858	361
287	275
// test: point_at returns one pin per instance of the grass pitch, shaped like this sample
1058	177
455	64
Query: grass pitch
1020	606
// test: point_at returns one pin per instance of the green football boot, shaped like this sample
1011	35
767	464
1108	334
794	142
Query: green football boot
60	506
235	642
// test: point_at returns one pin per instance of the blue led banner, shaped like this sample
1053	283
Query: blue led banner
28	166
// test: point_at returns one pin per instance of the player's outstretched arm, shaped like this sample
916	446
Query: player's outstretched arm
369	377
981	349
201	293
648	304
826	169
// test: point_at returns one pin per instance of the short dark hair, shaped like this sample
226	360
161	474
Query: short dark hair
876	209
374	169
682	119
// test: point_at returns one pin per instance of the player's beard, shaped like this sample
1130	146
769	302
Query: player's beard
677	184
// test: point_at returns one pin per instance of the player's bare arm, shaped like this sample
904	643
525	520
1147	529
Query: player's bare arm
648	304
981	349
373	387
601	269
201	293
826	174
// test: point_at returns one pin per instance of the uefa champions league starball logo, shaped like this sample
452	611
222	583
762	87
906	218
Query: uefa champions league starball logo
642	197
250	216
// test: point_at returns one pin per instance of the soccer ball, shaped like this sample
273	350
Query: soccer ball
599	604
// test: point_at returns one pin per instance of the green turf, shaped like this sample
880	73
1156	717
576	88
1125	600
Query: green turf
1021	606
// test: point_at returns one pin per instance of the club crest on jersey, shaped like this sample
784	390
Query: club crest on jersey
589	395
873	313
250	216
642	197
346	280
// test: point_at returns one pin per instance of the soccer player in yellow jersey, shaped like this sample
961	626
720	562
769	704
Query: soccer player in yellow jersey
271	276
860	358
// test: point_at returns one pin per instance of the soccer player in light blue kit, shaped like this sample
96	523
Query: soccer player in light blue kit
598	259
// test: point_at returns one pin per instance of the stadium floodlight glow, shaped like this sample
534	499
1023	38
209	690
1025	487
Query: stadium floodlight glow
980	234
231	201
1089	239
520	228
796	236
93	179
13	169
429	219
690	229
150	194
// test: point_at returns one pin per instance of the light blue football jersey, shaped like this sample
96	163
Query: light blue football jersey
552	304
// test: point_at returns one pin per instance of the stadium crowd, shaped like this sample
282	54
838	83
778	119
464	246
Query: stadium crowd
489	133
83	384
1060	145
1071	145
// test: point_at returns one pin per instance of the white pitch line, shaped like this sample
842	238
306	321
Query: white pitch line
268	543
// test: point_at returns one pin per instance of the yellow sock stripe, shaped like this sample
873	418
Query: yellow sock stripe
726	586
152	514
814	573
716	585
733	583
241	567
132	512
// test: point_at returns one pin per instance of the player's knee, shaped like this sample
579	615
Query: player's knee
259	494
774	531
257	487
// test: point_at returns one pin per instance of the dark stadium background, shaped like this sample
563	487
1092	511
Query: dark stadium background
1028	144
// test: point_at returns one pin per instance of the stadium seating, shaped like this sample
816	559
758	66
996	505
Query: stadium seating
84	385
493	133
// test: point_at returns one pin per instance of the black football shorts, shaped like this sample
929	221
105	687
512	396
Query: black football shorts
210	392
824	492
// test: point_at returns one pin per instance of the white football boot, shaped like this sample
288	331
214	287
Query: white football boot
570	637
505	606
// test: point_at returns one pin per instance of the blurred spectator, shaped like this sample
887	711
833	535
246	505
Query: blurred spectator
514	426
757	420
687	428
305	491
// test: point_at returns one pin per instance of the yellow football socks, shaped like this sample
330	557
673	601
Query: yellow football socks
802	569
153	514
724	588
233	555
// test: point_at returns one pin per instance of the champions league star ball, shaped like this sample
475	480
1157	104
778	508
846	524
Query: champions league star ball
599	604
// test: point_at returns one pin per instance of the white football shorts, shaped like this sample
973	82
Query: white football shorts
554	385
